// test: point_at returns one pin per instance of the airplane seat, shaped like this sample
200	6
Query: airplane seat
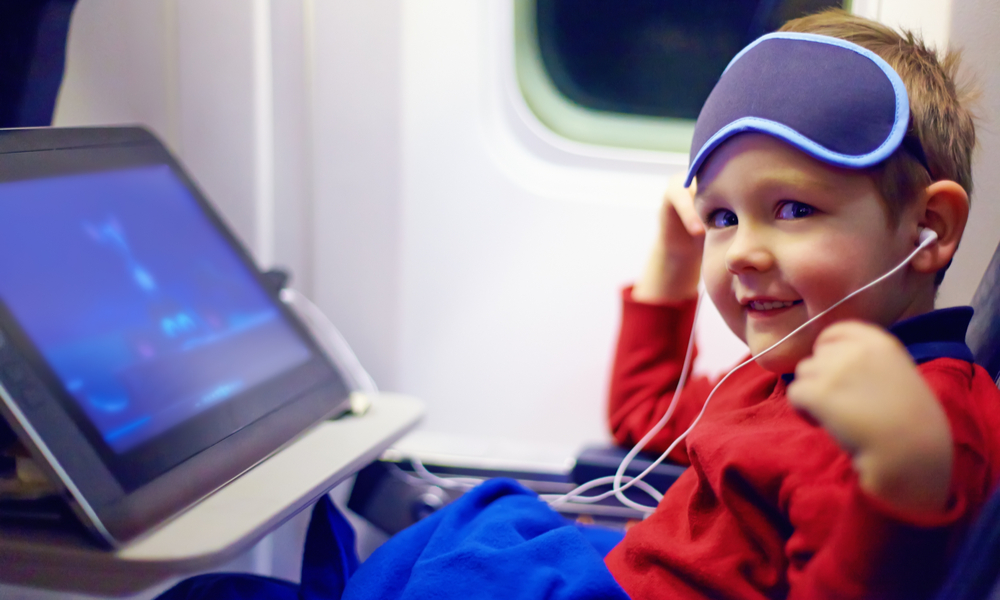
975	573
33	37
407	486
983	336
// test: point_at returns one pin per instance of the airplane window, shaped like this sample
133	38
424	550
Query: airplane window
636	64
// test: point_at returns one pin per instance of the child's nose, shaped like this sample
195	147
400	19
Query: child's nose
749	251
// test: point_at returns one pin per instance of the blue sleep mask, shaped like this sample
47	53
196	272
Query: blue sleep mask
828	97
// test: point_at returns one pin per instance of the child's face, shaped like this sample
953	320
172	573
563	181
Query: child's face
787	236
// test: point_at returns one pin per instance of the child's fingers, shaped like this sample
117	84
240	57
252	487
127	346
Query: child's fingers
811	398
694	224
681	201
844	332
802	391
689	217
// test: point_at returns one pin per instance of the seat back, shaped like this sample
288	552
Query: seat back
983	336
975	575
32	59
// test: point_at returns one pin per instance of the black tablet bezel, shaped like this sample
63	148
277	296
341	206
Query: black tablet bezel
122	495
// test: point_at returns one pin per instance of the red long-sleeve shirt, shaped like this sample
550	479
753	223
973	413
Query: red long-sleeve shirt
770	506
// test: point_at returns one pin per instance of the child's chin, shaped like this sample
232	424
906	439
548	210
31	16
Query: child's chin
779	361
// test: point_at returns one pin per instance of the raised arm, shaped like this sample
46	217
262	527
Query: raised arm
657	318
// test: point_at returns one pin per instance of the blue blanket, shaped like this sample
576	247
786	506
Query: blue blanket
496	541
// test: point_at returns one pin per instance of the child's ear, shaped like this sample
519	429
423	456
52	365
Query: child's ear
945	210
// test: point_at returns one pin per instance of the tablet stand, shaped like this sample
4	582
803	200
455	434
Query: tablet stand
223	525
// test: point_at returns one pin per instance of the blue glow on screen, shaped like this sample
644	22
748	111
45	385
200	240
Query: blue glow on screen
136	301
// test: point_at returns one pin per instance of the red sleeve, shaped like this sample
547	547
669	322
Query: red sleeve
877	551
647	367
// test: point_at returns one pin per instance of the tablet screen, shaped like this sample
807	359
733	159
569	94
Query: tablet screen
145	314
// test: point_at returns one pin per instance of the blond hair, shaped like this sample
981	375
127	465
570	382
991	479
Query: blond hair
940	120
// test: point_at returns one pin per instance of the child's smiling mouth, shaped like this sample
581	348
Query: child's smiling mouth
769	306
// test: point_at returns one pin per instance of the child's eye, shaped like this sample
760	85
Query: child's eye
794	210
722	218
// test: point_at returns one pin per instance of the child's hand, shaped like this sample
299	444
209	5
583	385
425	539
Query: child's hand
674	268
862	386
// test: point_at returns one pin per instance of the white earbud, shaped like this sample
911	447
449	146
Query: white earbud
927	237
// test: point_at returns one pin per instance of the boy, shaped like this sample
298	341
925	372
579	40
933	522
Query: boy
848	461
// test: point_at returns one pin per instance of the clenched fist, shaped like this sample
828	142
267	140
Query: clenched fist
862	387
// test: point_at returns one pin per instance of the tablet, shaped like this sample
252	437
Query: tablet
144	360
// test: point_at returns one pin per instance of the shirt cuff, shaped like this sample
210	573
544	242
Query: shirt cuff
628	299
954	510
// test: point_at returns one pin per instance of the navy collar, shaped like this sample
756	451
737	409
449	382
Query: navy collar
937	334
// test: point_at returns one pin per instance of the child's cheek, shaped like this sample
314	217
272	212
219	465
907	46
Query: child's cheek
824	274
718	286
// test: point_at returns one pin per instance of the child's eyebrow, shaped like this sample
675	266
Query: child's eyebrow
797	180
783	182
701	199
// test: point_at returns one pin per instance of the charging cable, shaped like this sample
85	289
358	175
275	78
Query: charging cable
466	483
331	341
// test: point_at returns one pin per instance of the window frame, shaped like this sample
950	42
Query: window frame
581	124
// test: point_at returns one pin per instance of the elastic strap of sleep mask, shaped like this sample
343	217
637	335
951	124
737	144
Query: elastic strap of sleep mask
828	97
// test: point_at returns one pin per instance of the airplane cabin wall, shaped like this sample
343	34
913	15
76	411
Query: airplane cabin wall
223	84
974	25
